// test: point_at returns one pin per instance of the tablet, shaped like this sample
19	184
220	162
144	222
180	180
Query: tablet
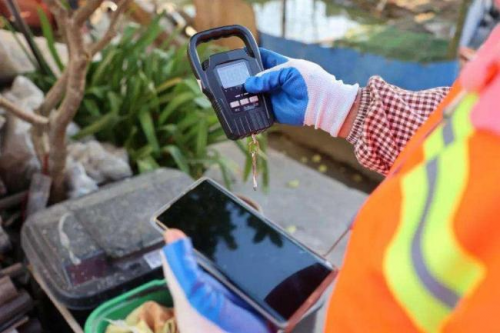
253	257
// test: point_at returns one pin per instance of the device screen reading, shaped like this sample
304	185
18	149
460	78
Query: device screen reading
271	269
233	74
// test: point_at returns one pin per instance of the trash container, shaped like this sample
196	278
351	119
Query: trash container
120	307
94	248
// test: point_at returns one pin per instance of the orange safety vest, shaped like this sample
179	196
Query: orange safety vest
424	255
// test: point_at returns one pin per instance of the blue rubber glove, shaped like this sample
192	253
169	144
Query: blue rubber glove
201	303
303	93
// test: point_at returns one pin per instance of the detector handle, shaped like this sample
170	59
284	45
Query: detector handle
217	33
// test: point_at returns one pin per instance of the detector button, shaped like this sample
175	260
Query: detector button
235	104
244	101
254	99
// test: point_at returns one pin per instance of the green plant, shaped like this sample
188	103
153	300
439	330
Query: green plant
146	99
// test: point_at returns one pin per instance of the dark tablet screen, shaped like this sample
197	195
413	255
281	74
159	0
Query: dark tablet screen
270	268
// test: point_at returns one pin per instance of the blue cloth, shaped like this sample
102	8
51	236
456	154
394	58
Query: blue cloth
286	86
353	66
207	296
303	93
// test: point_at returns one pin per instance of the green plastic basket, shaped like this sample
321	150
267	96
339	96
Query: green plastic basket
120	307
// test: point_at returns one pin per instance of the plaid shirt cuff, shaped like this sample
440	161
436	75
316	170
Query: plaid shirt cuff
387	118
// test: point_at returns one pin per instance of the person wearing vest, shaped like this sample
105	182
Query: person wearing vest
424	255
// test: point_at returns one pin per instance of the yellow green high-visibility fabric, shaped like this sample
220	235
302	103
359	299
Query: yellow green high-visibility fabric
425	267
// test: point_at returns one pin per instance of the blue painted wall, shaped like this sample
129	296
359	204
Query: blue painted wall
352	66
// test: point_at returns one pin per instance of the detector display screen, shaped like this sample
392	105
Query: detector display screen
233	74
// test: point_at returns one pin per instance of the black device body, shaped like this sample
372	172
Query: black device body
222	76
253	257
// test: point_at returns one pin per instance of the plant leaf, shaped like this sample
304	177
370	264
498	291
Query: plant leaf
168	84
225	173
143	152
216	135
147	164
103	66
193	85
202	137
49	36
28	54
99	92
115	102
148	36
228	168
129	142
149	129
203	102
104	122
38	56
91	106
175	103
178	157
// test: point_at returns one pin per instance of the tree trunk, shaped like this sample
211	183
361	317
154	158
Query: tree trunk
59	120
57	137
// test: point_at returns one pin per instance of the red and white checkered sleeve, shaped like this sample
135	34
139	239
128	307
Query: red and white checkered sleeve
388	117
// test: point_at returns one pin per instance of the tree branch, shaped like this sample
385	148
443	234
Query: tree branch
55	95
56	8
111	32
21	114
83	13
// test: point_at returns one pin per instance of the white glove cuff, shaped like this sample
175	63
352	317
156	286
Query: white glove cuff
329	104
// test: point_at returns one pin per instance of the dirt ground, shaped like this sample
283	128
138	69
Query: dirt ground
322	163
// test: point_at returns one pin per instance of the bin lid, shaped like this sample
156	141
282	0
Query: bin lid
93	248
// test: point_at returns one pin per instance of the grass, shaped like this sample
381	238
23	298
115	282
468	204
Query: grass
394	43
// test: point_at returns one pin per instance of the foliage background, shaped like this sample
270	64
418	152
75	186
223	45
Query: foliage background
144	97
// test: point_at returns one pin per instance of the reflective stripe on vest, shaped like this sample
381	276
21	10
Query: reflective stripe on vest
459	126
425	267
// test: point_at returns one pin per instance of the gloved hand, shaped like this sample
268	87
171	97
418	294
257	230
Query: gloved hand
202	304
303	93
